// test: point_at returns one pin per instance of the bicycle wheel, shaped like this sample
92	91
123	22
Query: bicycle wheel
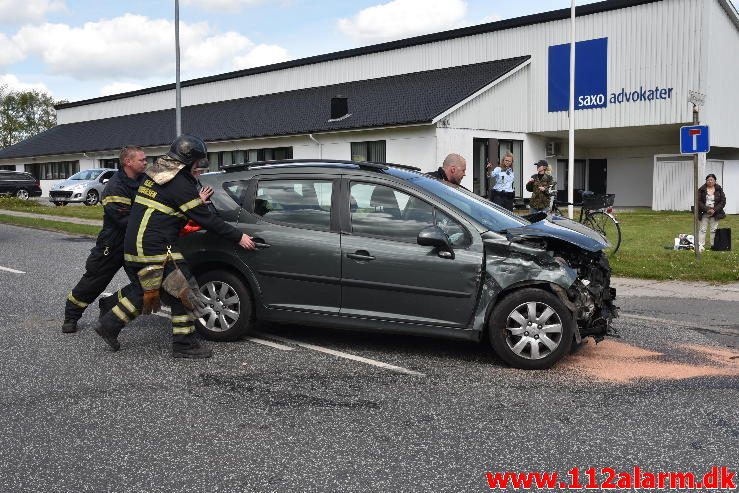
605	224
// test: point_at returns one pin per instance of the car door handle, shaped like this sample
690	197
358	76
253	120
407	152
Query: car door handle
360	255
260	243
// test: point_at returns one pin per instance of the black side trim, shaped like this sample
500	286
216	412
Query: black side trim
300	277
404	288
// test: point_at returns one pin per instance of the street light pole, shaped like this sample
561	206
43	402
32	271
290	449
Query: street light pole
178	96
571	143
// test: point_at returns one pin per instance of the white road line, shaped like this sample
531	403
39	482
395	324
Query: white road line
8	269
341	354
265	342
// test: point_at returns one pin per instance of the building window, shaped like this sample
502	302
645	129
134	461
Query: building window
7	167
373	151
53	171
110	163
218	160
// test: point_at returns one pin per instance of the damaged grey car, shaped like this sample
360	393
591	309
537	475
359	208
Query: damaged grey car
378	247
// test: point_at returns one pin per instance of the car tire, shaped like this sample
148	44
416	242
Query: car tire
22	194
230	305
92	197
531	347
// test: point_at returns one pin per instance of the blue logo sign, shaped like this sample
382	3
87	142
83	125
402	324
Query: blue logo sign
694	139
591	75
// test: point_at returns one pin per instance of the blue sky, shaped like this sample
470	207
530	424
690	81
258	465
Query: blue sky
80	49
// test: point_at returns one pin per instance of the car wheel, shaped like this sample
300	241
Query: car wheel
531	329
92	197
229	305
22	194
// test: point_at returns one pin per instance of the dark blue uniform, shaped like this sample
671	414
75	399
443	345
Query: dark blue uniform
106	257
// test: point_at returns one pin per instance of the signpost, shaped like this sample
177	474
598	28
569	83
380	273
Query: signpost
695	140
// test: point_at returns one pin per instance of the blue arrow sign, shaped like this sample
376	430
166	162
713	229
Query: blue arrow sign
694	139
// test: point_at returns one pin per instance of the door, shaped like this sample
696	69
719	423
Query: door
387	275
297	262
598	175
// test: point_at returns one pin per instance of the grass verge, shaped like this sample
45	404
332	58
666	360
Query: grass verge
28	222
40	207
647	249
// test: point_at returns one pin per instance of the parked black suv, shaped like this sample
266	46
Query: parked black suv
377	247
20	184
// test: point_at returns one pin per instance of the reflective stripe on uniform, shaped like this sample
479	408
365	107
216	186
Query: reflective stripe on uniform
129	306
191	204
158	206
119	313
116	199
151	259
180	319
142	230
183	330
77	302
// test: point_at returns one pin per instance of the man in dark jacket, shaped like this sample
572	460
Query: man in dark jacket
107	256
166	199
452	170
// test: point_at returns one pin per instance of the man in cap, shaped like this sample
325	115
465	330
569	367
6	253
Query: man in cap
106	257
539	185
166	199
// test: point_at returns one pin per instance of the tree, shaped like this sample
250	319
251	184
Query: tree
24	114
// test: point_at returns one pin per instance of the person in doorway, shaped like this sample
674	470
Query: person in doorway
711	203
539	185
452	170
106	257
502	192
166	199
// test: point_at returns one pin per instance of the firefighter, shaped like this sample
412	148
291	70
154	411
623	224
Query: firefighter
166	199
106	257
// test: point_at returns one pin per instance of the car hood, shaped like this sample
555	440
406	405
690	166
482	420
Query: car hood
563	229
69	184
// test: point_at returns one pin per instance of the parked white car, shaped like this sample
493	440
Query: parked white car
86	187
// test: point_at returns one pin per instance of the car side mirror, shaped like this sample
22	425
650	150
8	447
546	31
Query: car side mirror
433	236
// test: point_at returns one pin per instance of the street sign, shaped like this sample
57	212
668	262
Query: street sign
696	98
694	139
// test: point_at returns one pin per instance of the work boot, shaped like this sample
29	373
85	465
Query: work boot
106	304
109	335
69	326
188	346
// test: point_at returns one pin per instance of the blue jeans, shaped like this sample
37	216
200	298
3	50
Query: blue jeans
534	210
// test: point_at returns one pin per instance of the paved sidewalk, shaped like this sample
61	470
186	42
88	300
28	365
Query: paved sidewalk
49	217
675	289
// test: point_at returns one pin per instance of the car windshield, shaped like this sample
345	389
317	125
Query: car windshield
88	174
483	211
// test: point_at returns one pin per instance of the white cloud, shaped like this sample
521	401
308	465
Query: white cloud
403	18
9	53
119	87
261	55
14	11
133	47
219	5
14	84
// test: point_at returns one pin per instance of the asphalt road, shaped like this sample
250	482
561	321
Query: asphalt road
76	417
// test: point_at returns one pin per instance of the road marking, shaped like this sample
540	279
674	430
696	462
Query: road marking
265	342
344	355
8	269
679	323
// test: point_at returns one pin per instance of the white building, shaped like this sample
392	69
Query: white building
478	91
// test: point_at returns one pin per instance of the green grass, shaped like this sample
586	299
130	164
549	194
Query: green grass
45	224
646	249
44	207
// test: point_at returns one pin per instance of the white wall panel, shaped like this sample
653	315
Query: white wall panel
652	44
729	183
673	186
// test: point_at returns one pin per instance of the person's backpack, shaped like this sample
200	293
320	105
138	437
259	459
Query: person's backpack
722	239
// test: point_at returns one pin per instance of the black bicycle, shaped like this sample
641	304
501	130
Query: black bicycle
596	212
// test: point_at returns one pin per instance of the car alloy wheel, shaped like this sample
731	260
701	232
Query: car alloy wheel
92	198
22	194
531	329
229	306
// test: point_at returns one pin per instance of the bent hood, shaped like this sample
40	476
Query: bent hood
563	229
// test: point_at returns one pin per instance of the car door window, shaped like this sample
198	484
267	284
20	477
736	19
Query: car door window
457	234
378	210
302	203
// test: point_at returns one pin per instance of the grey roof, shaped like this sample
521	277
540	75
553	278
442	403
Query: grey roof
414	98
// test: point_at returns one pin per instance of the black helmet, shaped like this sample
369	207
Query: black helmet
187	149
